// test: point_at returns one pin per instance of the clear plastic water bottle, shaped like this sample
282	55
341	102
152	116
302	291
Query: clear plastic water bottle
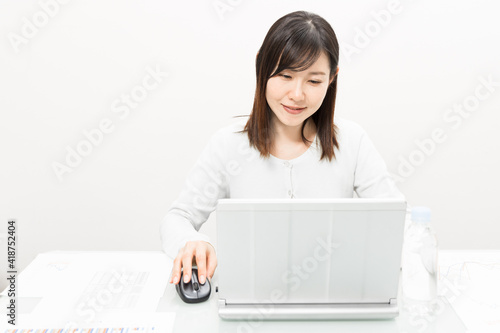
419	273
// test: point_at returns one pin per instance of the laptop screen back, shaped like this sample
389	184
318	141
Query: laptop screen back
296	251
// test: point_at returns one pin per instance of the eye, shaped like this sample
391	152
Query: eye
315	82
285	76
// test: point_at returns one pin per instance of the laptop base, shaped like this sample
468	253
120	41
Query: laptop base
307	311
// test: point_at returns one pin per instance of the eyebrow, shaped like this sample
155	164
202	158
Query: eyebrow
317	73
312	73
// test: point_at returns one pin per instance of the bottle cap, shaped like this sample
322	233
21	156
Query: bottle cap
421	214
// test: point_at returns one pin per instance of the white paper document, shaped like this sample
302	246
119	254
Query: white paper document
77	290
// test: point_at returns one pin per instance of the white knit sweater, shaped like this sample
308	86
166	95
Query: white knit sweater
229	168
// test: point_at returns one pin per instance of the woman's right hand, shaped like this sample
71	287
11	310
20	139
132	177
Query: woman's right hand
200	253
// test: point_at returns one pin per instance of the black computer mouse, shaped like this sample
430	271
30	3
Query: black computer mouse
193	291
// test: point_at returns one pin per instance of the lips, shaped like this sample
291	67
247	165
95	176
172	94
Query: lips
292	109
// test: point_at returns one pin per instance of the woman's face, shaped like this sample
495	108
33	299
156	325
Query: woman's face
295	96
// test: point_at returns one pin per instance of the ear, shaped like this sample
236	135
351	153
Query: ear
333	77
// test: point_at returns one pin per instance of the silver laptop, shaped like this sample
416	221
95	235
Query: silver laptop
309	258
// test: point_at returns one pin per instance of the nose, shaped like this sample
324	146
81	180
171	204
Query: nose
296	92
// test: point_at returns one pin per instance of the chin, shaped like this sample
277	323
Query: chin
293	121
290	120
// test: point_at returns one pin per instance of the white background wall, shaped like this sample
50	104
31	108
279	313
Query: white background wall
402	77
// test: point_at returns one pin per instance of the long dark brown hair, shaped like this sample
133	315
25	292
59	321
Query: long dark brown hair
295	42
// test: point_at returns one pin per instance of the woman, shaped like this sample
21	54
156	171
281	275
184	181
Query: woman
288	147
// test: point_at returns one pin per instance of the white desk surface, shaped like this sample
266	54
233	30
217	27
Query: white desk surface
464	307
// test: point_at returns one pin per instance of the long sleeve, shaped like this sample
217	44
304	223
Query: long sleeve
371	178
204	185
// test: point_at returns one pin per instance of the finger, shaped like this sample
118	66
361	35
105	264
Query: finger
212	263
172	273
187	258
176	269
201	262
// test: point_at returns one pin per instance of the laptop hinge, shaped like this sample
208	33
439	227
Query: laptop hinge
393	301
307	311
